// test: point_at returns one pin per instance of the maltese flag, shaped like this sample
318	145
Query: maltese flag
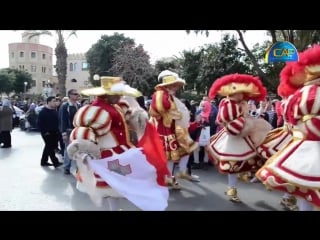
139	173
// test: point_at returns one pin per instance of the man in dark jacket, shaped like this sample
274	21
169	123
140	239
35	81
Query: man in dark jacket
48	124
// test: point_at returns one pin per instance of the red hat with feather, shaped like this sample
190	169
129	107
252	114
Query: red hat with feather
228	85
306	70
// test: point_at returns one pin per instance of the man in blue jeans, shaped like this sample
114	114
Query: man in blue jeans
66	115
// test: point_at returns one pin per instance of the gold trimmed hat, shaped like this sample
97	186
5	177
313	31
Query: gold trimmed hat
228	85
112	86
169	78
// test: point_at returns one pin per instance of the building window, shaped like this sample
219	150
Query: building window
75	67
43	69
21	54
71	67
33	54
85	66
21	67
43	56
73	80
12	55
33	83
33	68
43	83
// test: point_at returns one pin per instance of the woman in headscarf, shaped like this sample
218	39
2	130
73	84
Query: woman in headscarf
5	124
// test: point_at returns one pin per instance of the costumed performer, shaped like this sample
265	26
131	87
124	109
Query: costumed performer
280	137
290	169
171	119
110	165
233	148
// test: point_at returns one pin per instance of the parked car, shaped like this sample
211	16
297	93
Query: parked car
29	120
18	113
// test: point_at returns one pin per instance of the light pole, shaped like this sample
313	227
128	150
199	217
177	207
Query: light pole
49	90
25	90
96	77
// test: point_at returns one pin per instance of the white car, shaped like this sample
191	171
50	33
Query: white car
19	112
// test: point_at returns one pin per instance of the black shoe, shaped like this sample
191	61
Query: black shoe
67	172
46	164
196	166
58	165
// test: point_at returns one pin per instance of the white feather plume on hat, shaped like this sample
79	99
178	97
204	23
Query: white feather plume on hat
168	78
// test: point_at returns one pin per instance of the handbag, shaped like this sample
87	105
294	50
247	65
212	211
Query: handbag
204	138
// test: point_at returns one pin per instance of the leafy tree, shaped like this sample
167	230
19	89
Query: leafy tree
12	80
19	77
6	82
133	64
61	55
100	56
220	59
170	64
191	65
256	67
272	70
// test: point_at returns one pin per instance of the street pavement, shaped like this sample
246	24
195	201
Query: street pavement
27	186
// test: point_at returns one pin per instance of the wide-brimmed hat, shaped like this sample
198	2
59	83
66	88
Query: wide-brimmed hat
193	102
112	86
228	85
169	78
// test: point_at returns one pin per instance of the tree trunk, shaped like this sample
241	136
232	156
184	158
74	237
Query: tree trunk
284	35
251	56
273	35
291	36
61	64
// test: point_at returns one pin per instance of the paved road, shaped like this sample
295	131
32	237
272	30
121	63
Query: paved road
25	185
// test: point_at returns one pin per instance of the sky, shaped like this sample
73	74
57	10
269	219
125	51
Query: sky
158	43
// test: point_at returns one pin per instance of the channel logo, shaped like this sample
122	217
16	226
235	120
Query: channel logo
281	52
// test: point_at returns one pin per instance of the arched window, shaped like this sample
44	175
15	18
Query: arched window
71	67
75	67
73	80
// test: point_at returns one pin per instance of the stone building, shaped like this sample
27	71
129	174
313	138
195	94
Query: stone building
77	72
36	59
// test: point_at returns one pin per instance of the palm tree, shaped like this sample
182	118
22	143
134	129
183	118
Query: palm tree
61	55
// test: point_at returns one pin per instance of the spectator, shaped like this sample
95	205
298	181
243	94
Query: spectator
6	124
48	124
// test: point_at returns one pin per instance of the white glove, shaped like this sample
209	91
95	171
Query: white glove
83	150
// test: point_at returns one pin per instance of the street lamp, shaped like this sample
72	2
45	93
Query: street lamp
96	77
25	90
49	89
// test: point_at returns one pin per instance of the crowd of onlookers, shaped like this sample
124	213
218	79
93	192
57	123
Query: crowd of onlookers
30	115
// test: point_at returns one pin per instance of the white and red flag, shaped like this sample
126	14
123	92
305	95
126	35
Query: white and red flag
139	173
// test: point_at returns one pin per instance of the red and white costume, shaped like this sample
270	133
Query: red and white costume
277	138
281	136
171	119
166	112
233	148
104	124
296	168
101	131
